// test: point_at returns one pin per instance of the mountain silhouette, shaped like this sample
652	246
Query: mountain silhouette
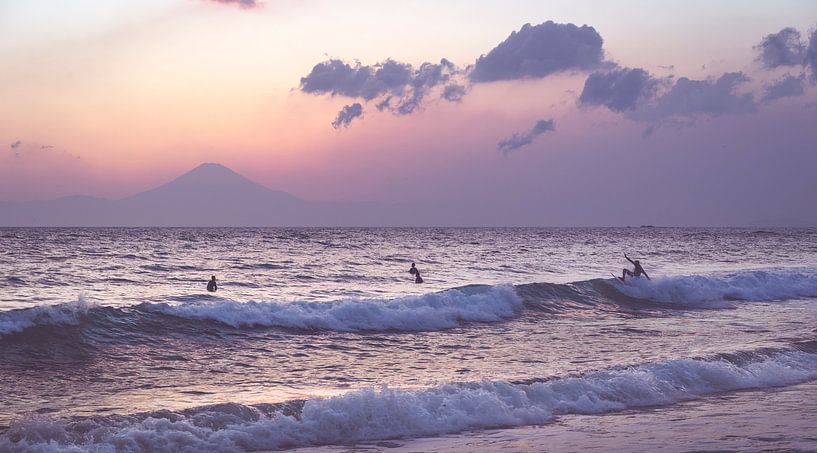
208	195
212	184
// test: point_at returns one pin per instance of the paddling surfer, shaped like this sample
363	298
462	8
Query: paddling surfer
637	271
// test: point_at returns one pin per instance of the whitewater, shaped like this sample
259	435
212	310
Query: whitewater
520	339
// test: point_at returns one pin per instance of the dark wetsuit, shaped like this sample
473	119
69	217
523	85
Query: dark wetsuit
637	271
211	286
416	272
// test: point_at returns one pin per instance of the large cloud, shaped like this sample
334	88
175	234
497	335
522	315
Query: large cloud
783	48
533	51
347	114
788	86
619	89
635	93
521	139
540	50
689	98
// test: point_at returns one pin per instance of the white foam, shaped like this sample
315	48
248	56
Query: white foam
14	321
703	290
375	414
433	311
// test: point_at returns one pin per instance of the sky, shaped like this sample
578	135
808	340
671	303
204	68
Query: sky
541	112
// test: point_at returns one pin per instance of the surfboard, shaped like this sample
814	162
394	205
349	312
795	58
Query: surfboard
616	276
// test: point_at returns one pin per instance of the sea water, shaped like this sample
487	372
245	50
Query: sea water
109	340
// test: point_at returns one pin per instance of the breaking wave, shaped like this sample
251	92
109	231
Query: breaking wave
428	312
702	290
386	413
434	311
15	321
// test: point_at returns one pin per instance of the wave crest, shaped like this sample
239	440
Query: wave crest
15	321
375	414
432	311
712	290
441	310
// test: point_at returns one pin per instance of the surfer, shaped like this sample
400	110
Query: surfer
211	285
416	273
637	271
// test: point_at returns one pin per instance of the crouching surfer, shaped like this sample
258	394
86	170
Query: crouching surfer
637	271
211	285
416	273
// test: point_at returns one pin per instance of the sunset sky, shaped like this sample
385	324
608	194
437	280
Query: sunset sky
670	112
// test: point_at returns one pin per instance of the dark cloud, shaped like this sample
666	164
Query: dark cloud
788	86
540	50
689	98
423	80
241	3
399	87
619	90
453	92
385	104
533	51
811	55
521	139
347	114
338	78
783	48
16	144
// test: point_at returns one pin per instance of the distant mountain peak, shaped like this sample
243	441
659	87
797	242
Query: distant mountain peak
207	195
214	182
212	173
212	168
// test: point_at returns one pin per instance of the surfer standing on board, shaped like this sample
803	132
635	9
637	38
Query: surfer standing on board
637	271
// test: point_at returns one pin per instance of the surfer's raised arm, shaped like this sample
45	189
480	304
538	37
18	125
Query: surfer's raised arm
628	258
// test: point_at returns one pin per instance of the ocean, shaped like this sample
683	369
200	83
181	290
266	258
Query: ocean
318	338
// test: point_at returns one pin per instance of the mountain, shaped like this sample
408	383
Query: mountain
208	195
212	182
